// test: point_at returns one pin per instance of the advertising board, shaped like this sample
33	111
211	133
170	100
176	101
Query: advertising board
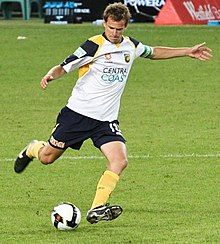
188	12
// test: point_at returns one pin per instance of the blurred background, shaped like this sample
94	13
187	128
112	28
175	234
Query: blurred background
80	10
162	12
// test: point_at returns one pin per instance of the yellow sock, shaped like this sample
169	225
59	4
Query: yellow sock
106	185
33	149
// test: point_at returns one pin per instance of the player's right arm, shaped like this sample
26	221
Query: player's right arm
54	73
83	55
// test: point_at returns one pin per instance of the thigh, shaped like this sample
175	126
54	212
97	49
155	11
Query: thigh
107	132
69	131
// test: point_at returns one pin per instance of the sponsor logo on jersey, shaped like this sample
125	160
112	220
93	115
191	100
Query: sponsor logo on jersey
112	74
127	57
79	53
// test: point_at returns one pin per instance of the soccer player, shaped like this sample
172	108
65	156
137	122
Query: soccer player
104	62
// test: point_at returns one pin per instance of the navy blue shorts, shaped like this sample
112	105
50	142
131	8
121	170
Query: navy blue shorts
72	129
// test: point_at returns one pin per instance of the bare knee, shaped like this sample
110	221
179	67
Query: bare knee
48	154
116	154
46	160
118	166
123	163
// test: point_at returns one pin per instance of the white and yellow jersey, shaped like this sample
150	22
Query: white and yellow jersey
103	72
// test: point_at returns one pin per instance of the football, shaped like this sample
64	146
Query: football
66	216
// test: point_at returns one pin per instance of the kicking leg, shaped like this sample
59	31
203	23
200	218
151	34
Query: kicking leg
115	152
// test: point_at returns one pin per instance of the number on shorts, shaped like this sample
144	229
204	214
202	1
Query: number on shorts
115	129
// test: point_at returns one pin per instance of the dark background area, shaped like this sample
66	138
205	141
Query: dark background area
144	14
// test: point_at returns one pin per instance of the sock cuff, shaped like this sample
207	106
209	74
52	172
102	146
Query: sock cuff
32	150
112	174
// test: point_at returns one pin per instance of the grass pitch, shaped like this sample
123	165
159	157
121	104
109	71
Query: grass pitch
169	116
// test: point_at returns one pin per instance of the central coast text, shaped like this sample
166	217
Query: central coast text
111	74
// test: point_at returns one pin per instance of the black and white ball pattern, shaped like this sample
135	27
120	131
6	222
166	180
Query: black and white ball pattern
66	216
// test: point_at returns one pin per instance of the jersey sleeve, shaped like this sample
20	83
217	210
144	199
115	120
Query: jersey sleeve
82	55
142	50
146	51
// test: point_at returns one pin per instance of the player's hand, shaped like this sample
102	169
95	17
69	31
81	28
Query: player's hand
46	79
200	52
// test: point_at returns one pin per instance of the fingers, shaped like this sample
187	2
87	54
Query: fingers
202	47
205	49
205	55
202	52
44	82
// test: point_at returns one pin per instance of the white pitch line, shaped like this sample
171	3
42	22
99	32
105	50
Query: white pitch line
192	155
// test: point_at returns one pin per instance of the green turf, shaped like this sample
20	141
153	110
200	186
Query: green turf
169	116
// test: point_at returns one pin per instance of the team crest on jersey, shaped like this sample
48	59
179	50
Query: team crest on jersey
127	57
108	56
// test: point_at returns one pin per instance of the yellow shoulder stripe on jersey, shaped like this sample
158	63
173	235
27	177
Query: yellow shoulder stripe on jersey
83	70
128	39
98	39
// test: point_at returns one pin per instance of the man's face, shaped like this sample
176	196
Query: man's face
114	30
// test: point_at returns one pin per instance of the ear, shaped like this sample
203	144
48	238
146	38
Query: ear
126	25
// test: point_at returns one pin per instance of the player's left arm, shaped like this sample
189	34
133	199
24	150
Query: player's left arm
199	51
